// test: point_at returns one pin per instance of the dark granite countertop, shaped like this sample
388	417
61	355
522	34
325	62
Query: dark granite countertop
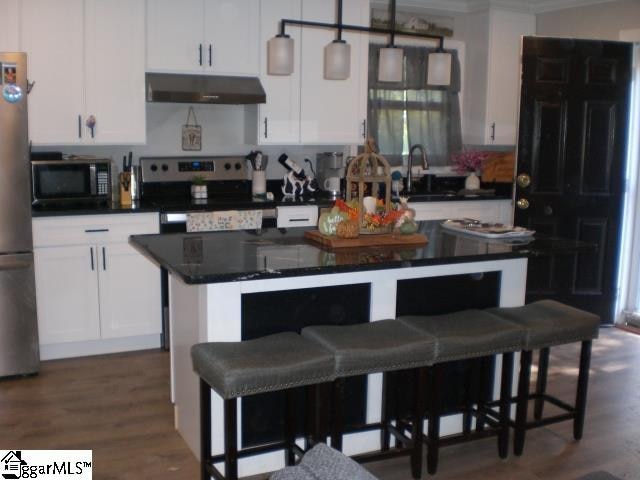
214	203
215	257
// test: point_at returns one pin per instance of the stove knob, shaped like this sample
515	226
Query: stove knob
238	166
227	166
154	168
165	167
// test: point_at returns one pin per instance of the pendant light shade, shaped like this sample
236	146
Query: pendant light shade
390	64
439	69
337	60
280	55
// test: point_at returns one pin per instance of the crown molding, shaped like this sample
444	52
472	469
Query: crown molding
470	6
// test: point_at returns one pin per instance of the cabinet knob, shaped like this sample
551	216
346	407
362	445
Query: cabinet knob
523	180
522	204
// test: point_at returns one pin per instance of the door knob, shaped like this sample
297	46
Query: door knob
523	180
522	204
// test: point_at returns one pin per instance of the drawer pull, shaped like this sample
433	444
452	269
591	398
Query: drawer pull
299	219
92	264
96	230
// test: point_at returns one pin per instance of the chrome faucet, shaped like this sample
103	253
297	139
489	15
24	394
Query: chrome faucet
425	164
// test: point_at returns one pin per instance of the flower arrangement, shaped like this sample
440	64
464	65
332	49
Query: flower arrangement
379	221
469	161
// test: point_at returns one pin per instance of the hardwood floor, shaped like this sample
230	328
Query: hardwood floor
118	406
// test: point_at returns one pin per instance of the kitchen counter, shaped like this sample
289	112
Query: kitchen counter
229	203
232	286
244	255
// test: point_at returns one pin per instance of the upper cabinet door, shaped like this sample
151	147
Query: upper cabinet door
9	31
503	78
231	35
115	83
332	110
175	35
279	118
52	34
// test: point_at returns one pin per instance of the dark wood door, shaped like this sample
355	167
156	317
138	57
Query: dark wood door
572	143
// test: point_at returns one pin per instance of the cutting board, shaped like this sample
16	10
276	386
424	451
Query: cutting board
499	167
382	240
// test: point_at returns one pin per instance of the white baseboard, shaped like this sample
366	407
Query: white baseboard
98	347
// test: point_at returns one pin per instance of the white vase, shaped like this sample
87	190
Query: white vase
472	182
199	191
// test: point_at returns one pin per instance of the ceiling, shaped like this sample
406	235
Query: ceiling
465	6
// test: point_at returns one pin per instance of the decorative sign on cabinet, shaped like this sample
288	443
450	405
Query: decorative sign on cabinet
87	60
95	293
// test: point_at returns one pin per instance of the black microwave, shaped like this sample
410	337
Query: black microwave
81	180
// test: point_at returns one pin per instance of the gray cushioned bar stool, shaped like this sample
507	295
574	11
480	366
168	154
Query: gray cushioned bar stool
282	361
548	323
374	347
465	335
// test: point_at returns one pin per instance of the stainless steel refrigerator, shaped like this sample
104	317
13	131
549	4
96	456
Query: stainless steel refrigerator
19	352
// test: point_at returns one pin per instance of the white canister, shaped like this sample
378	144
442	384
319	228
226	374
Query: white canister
259	182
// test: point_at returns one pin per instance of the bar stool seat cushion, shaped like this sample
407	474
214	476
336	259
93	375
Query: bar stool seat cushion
324	463
548	323
274	362
373	347
467	334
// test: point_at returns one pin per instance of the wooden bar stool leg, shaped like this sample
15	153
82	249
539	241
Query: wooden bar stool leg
388	389
290	426
522	402
230	439
337	426
505	404
433	417
420	379
541	383
205	429
467	417
581	391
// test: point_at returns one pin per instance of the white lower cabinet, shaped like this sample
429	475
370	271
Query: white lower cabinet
498	211
95	293
67	294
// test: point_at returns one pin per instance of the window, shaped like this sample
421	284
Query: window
405	113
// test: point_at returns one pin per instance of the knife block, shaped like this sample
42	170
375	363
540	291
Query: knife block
125	189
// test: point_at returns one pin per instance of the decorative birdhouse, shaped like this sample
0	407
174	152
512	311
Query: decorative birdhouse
369	175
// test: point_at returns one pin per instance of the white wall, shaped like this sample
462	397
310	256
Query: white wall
601	21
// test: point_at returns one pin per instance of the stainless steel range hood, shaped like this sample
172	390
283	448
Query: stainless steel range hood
214	89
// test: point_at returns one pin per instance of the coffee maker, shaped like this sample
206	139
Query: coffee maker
330	168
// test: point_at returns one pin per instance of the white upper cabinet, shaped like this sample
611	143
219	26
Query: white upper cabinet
333	111
52	34
492	78
9	29
86	58
279	118
114	66
503	81
203	36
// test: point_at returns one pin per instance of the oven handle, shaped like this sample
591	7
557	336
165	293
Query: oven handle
172	218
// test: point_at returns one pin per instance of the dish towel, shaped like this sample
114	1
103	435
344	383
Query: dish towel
224	220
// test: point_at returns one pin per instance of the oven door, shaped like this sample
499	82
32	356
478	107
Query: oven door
56	181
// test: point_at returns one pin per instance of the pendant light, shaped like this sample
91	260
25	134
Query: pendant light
337	54
439	67
280	55
391	58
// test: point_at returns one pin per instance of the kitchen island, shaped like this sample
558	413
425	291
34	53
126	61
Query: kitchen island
231	286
